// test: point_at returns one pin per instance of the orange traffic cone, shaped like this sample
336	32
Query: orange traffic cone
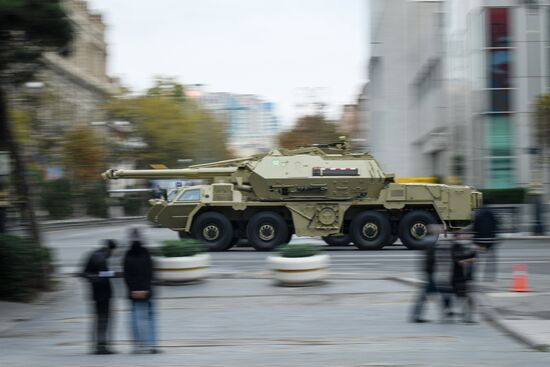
519	279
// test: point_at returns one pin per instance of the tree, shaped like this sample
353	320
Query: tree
28	28
310	130
172	127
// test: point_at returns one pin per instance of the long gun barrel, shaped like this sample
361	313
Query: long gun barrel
113	174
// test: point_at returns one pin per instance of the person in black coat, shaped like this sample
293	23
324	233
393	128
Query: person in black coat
485	237
96	271
464	258
138	274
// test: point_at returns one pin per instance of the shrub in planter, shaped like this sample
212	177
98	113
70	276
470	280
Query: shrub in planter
298	250
181	260
180	248
24	268
299	265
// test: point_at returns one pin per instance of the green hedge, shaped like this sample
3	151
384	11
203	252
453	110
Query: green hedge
95	201
24	268
305	250
57	198
181	248
504	196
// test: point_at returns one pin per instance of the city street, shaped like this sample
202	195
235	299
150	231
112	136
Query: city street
239	317
72	245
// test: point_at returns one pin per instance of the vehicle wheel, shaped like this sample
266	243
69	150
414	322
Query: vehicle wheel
413	229
266	231
370	230
337	240
214	230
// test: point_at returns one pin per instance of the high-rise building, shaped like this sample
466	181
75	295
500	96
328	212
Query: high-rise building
452	85
498	62
251	124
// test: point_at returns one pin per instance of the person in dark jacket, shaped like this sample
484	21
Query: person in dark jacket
464	258
485	236
437	269
96	271
138	274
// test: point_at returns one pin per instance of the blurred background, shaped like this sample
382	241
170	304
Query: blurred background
438	91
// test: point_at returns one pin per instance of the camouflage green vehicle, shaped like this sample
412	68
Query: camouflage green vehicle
321	190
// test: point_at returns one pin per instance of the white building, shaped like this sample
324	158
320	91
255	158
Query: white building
250	122
498	63
405	108
451	87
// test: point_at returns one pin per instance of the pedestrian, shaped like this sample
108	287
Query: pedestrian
464	258
485	237
97	272
138	274
436	267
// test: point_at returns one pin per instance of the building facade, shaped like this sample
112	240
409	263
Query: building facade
405	108
452	85
498	64
251	123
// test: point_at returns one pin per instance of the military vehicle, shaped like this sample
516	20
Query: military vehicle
320	190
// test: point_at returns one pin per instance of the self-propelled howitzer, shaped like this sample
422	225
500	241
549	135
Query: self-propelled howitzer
323	190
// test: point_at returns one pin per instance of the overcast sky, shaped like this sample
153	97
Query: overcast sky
272	48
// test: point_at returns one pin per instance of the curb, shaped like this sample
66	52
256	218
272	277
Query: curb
79	223
491	315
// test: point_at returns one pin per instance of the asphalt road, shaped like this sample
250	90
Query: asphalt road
71	246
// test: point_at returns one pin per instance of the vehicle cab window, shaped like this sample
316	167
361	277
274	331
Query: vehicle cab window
190	195
172	195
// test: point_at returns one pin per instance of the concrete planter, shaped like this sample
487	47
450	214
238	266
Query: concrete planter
299	270
181	269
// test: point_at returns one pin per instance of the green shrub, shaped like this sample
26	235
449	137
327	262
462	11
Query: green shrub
180	248
24	268
57	198
133	205
504	196
95	201
305	250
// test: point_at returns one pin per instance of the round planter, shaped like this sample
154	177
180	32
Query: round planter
299	270
181	269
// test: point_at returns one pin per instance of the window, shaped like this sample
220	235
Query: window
172	195
499	100
498	27
190	195
500	136
499	68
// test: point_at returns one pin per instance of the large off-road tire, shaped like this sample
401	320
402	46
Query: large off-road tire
266	231
214	230
370	230
413	229
337	240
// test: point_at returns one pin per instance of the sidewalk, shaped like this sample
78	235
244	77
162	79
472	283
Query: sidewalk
250	322
523	315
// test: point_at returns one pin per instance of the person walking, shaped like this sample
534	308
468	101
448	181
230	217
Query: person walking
464	258
485	237
96	271
138	274
436	267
